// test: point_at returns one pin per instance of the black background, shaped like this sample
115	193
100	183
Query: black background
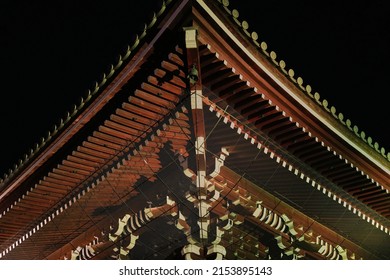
52	52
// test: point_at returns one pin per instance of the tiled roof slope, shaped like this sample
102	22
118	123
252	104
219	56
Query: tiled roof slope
298	81
91	93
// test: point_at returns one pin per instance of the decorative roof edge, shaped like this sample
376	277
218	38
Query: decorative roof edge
298	81
84	101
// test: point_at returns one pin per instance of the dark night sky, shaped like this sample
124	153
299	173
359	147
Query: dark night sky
51	53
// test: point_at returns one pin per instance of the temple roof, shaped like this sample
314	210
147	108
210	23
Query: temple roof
258	110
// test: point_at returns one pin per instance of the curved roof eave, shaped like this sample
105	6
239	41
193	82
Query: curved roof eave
327	114
11	179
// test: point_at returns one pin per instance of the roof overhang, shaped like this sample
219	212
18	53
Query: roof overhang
112	155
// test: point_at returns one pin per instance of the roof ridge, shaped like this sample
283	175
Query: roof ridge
298	81
90	93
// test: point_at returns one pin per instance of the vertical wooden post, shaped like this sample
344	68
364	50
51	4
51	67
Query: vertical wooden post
195	83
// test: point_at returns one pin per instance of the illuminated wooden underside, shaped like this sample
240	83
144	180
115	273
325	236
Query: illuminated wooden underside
284	191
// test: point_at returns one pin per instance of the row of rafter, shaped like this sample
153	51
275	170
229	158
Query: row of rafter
229	86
